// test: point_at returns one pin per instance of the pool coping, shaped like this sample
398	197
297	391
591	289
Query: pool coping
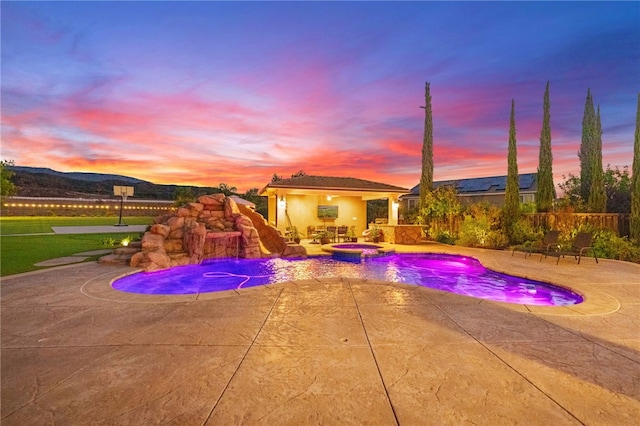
332	248
596	302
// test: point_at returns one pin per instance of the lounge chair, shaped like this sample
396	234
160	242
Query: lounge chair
549	243
581	244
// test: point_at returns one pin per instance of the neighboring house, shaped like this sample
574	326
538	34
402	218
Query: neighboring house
478	190
323	200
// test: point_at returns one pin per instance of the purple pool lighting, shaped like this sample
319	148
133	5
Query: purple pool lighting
455	274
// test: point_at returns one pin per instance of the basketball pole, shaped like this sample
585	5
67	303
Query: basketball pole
123	192
120	223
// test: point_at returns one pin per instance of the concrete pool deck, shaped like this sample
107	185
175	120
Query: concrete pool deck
338	351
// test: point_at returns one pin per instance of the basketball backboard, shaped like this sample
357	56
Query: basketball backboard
123	191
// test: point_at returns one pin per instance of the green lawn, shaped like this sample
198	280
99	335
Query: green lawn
12	225
19	253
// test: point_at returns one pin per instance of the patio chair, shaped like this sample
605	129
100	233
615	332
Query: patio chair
311	230
342	232
581	244
332	230
549	242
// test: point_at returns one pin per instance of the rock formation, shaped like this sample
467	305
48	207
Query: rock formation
213	227
270	238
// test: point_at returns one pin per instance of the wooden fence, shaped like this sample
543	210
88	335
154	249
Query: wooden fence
618	223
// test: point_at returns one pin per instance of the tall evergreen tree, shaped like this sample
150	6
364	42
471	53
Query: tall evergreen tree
587	146
597	202
511	209
546	191
426	179
635	182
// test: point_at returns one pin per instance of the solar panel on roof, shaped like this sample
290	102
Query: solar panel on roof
526	181
479	184
499	183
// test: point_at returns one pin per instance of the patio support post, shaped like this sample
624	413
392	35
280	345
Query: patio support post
281	218
393	211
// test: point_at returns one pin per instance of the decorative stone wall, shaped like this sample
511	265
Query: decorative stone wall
213	227
402	234
409	234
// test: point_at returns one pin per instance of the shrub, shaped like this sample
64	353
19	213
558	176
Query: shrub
480	220
445	237
473	232
478	232
492	213
608	245
440	203
412	216
522	231
497	240
108	242
528	207
567	235
441	210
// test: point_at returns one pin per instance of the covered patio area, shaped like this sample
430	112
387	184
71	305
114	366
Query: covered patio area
320	201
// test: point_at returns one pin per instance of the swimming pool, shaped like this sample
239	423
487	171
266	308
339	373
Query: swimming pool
456	274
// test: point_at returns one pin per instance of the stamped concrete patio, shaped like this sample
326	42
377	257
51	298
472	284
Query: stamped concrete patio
339	351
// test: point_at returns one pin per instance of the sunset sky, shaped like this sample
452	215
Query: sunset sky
202	93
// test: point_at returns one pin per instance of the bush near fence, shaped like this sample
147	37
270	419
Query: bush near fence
614	222
565	222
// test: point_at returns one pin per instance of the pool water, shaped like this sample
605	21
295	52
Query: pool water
456	274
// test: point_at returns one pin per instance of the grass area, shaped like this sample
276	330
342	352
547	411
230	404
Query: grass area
19	253
13	225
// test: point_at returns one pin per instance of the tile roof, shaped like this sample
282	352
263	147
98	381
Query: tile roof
335	183
528	182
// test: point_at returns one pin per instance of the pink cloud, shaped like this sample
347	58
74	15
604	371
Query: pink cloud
219	140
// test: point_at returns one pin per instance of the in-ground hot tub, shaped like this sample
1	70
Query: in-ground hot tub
356	251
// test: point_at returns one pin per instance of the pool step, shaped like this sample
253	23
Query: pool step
121	255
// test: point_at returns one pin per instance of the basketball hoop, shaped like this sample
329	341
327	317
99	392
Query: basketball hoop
123	192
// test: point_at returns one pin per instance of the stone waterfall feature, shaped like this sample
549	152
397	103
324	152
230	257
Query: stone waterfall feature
213	227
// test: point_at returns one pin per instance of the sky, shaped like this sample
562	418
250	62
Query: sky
203	93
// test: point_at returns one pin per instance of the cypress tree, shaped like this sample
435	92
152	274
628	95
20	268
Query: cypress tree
635	182
546	191
587	146
426	179
511	209
597	202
